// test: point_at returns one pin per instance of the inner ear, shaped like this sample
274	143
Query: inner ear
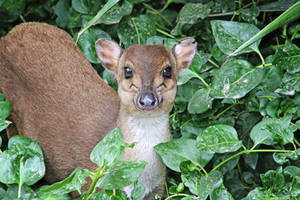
109	53
184	52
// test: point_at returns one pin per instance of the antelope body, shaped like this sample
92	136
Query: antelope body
58	98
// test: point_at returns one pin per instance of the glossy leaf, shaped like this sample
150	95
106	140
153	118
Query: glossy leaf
290	84
115	14
235	79
4	124
189	15
288	57
221	193
179	150
109	149
200	102
73	182
262	133
136	30
185	75
121	174
230	35
87	43
22	162
138	192
168	42
219	139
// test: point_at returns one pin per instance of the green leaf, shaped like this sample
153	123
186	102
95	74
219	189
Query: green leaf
235	79
185	75
258	194
168	42
189	15
178	150
205	185
10	10
73	182
219	139
199	60
292	171
136	30
200	102
230	35
109	4
80	6
109	149
26	193
289	15
4	124
263	133
138	192
87	43
290	84
282	158
22	162
221	193
273	179
115	14
288	57
5	109
121	174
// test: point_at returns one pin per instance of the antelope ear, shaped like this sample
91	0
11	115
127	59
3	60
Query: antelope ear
184	52
109	53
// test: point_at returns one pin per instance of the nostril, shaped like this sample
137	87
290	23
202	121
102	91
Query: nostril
147	100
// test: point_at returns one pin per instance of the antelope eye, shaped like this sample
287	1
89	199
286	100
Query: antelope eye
167	72
128	72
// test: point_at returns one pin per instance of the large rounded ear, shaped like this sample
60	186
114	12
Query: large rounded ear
184	52
109	53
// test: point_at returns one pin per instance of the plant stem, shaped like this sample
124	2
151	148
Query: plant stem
201	79
250	151
224	111
137	31
92	188
165	33
264	65
178	195
19	190
213	63
158	13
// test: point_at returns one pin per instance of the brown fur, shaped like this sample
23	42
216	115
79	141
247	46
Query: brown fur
56	96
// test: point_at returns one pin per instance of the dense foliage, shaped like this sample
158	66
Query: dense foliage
236	118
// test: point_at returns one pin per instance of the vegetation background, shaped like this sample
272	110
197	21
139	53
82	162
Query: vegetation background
238	117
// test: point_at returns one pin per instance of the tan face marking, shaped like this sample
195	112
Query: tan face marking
146	74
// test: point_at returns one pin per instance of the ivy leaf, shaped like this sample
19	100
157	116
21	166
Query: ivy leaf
221	193
80	6
262	133
4	124
231	35
219	139
109	149
73	182
168	42
200	102
22	162
135	30
115	14
290	84
189	15
282	158
10	10
121	174
5	109
87	41
178	150
235	79
185	75
199	60
288	57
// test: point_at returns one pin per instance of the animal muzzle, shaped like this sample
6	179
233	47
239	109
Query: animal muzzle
147	101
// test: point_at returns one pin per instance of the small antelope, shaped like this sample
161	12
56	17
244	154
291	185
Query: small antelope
58	98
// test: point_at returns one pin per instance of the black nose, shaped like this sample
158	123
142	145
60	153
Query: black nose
147	101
